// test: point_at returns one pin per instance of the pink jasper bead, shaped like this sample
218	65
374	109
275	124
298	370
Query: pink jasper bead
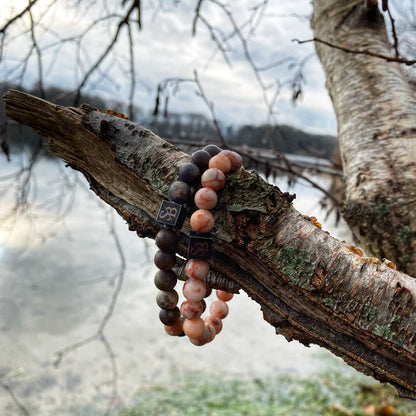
213	178
215	322
225	296
203	339
198	269
219	309
220	162
206	198
194	289
235	159
175	329
191	310
202	221
194	328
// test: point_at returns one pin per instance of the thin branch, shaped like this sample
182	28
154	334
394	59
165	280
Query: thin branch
196	17
38	54
132	73
123	21
100	330
407	62
22	410
18	16
114	372
210	106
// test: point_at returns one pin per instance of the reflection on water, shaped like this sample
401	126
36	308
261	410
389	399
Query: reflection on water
55	291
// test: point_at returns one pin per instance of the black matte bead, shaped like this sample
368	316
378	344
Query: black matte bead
167	299
189	173
208	292
166	240
201	159
165	260
212	149
204	305
179	192
165	279
169	316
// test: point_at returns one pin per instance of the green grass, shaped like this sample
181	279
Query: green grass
329	394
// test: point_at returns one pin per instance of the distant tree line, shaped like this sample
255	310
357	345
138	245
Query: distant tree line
185	127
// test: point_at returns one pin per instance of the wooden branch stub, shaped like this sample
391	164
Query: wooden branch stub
310	286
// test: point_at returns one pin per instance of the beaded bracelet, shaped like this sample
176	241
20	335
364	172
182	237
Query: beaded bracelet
209	166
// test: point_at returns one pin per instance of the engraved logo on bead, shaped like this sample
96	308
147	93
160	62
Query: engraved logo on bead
200	250
171	213
199	246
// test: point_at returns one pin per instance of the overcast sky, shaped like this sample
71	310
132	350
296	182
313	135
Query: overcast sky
165	48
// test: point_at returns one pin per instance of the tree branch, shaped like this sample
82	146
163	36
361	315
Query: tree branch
310	286
387	58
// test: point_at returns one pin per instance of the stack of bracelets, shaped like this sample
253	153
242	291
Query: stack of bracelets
208	168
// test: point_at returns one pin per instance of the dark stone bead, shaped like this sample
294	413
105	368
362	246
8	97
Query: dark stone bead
201	159
167	299
199	246
169	316
212	149
165	260
165	279
179	192
166	240
208	292
204	305
189	173
171	213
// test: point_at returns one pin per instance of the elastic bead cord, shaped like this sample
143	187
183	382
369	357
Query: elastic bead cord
209	167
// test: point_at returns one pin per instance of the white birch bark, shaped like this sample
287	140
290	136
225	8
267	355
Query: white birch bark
376	115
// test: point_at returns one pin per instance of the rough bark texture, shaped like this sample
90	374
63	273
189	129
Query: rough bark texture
310	286
376	112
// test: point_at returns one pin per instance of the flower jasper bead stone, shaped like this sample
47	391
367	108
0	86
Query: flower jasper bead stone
202	221
220	162
194	328
206	198
215	322
213	178
198	269
191	310
194	289
203	339
225	296
176	329
219	309
235	159
212	331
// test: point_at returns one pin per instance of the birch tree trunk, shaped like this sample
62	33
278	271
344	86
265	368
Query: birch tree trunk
376	114
310	286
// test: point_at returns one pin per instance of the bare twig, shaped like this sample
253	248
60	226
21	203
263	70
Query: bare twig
114	372
196	17
132	73
100	330
38	55
22	409
404	61
110	46
210	106
18	16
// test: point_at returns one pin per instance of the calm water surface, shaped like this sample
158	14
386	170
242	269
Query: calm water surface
58	272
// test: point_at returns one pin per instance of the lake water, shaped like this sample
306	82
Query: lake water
58	272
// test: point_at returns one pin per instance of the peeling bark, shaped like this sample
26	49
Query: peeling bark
310	286
376	112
